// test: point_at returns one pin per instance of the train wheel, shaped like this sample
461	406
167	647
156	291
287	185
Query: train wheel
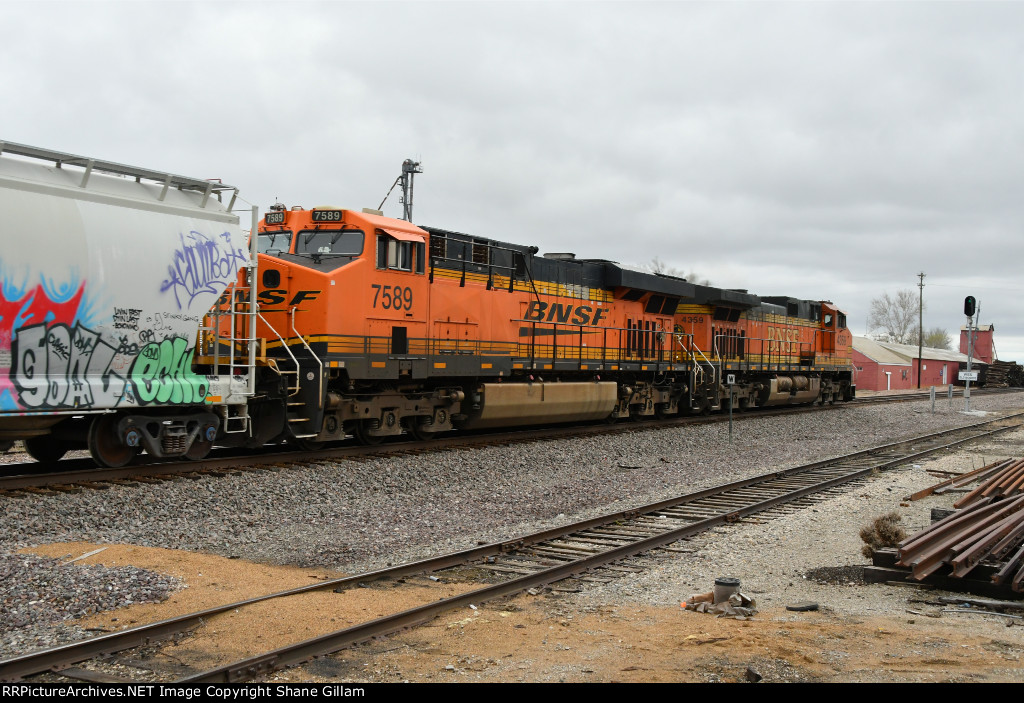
45	449
307	445
661	411
105	446
364	437
419	432
199	450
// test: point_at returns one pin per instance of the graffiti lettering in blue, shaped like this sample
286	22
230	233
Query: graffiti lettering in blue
62	366
203	264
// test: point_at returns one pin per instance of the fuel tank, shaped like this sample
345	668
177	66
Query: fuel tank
516	404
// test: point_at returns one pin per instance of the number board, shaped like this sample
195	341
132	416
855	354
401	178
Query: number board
274	218
327	216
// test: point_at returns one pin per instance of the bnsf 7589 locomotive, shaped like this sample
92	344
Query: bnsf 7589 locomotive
373	326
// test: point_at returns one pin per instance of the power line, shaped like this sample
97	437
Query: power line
949	285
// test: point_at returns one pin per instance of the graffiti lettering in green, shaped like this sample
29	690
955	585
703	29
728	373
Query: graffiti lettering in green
162	373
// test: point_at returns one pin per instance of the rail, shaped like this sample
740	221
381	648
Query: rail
634	531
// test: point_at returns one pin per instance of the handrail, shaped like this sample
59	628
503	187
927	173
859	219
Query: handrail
320	397
253	267
284	345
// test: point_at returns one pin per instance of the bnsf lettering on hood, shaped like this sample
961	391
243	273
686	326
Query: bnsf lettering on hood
540	311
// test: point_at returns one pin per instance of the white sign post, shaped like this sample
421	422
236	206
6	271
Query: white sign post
730	380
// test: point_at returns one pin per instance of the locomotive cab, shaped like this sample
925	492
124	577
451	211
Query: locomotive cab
343	297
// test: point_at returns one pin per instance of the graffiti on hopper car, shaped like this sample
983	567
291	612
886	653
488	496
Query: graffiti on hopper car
202	264
126	318
47	302
162	373
60	366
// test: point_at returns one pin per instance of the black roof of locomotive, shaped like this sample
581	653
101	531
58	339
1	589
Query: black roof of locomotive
726	297
794	307
592	273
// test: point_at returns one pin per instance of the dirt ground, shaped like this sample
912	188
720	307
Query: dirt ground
539	638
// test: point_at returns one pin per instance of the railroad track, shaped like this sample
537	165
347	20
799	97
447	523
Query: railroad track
526	562
73	475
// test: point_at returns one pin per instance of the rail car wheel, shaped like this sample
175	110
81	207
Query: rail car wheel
199	450
362	435
419	432
45	449
105	445
307	445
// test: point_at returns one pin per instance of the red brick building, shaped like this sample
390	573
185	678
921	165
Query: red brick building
984	344
880	366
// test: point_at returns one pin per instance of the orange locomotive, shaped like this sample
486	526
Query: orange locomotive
373	326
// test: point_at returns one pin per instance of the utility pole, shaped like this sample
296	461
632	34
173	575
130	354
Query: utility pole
409	169
920	326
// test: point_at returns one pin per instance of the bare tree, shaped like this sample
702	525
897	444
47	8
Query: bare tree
935	338
896	316
659	266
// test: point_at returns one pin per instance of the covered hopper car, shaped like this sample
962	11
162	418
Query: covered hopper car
106	274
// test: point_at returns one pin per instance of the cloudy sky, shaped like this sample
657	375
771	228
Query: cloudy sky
819	150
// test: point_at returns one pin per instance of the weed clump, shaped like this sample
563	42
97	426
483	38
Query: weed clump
883	531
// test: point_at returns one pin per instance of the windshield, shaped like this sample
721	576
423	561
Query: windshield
338	242
274	243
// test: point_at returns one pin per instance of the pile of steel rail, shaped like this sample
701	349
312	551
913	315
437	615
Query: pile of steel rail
1000	479
988	527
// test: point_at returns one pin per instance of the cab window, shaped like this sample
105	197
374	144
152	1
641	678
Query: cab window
828	319
400	256
330	242
274	243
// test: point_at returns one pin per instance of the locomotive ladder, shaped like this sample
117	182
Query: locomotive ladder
241	335
697	372
292	421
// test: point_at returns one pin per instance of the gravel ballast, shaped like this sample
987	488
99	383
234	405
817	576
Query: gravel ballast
356	516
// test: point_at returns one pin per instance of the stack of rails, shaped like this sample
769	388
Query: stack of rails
1004	374
982	541
989	531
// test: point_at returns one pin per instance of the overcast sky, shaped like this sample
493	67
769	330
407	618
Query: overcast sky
818	150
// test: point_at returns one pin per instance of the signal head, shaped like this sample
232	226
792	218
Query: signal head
970	305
